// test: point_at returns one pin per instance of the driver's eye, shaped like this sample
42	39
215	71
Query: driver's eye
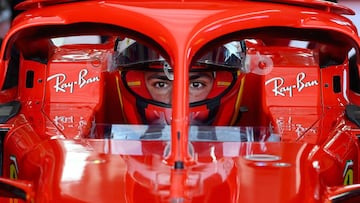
196	85
160	85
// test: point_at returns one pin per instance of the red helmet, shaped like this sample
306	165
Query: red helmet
145	84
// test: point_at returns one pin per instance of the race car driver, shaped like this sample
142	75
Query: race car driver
146	84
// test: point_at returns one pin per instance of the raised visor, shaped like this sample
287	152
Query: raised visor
196	133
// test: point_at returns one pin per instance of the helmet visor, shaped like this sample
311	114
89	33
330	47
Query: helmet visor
131	53
229	55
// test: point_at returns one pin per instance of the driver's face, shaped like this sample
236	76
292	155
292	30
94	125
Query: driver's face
160	87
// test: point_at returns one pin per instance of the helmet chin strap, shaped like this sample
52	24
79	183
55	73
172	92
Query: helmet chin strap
140	105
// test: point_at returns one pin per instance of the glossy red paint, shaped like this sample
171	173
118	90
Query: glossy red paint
64	137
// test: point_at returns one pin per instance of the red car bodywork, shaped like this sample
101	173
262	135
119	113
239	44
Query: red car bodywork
53	96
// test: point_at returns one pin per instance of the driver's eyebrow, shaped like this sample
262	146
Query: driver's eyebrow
199	75
191	77
158	76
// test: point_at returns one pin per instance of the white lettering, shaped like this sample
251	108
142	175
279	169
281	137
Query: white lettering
289	126
62	86
280	90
